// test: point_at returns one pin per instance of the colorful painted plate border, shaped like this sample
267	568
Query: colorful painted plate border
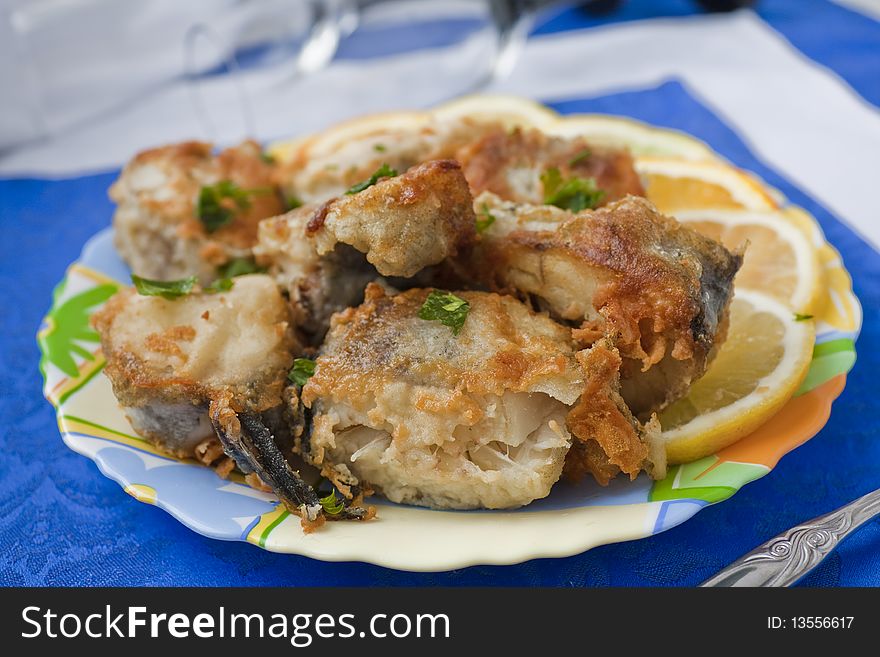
571	520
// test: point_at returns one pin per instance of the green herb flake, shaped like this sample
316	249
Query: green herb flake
239	267
292	202
445	308
384	171
485	219
573	194
379	148
166	289
219	285
268	158
798	317
213	208
331	504
302	371
580	157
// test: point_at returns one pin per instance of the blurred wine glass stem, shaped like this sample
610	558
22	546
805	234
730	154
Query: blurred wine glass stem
203	44
512	20
331	21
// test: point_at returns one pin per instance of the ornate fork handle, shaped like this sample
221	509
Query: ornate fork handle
786	558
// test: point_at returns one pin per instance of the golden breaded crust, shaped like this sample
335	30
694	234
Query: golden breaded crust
502	347
510	164
430	418
403	224
386	377
165	181
198	347
157	230
244	166
626	271
324	255
609	439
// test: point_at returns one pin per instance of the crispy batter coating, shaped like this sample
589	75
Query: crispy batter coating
325	255
659	289
429	418
167	358
610	439
402	224
502	346
157	231
478	420
510	163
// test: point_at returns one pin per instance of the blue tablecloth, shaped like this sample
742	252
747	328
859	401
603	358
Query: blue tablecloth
63	523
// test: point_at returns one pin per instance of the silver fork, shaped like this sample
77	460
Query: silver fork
786	558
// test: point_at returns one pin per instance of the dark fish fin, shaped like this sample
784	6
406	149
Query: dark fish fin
248	440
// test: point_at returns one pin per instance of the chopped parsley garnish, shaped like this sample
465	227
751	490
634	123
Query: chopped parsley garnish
302	371
292	202
798	317
268	158
485	219
445	308
219	285
384	171
239	267
165	289
219	203
379	148
574	194
580	157
331	504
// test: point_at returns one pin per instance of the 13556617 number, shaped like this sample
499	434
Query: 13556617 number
810	622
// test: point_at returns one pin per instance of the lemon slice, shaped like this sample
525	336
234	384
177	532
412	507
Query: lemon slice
674	184
508	110
640	138
756	371
334	138
780	259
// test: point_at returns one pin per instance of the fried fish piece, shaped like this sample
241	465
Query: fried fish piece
324	255
510	164
167	359
157	228
423	416
660	290
429	418
191	370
